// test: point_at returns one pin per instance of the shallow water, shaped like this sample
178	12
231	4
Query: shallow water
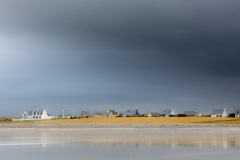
128	144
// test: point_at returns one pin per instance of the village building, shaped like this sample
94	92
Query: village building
237	112
112	113
192	113
130	113
36	114
219	113
167	113
153	114
67	114
100	114
85	114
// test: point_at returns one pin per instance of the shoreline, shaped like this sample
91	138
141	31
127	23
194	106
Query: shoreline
116	125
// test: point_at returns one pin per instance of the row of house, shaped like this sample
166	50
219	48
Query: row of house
164	113
215	113
39	114
109	113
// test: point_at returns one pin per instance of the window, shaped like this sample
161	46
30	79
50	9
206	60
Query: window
39	117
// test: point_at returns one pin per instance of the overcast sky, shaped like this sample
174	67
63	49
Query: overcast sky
125	54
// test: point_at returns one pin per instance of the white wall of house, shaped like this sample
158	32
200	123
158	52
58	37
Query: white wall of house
172	112
223	114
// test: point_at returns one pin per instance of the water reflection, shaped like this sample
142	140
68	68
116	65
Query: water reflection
118	144
114	138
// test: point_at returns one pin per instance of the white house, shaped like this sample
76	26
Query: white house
219	113
36	114
112	113
153	114
237	112
167	113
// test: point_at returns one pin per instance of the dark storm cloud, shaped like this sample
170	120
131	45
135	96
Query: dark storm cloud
174	52
202	34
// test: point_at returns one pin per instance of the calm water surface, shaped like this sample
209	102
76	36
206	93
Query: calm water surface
118	144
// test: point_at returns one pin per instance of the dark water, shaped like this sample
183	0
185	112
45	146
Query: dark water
127	144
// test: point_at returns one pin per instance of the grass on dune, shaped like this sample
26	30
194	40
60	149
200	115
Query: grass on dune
5	119
147	120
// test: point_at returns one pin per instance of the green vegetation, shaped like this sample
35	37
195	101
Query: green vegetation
181	115
231	115
5	119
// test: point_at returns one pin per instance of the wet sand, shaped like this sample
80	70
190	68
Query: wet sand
116	125
72	141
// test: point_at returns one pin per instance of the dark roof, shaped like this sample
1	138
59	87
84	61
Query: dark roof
168	112
217	111
30	112
102	113
131	112
113	112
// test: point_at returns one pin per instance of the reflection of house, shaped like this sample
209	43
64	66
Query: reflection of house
167	113
67	114
130	113
219	113
85	114
36	114
153	114
237	112
192	113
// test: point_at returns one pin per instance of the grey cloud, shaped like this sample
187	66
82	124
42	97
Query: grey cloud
142	52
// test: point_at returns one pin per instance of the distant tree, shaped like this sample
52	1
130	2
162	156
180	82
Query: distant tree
231	115
206	115
73	117
181	115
